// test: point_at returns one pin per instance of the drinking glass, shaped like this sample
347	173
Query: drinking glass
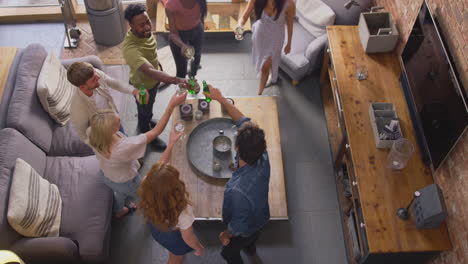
401	152
216	165
179	127
239	32
180	88
198	114
189	53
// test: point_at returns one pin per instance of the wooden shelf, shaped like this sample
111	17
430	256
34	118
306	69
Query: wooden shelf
378	191
221	17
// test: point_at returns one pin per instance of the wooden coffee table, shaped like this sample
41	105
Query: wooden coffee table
207	193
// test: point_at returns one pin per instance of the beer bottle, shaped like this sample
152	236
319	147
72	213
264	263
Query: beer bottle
142	94
192	85
206	91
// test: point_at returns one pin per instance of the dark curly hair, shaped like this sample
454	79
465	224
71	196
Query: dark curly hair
133	10
250	142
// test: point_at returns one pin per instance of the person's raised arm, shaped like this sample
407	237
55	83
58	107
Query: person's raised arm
233	112
173	137
151	72
192	241
290	13
120	86
247	12
159	128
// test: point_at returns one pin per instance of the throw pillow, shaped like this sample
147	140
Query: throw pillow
54	90
314	16
35	206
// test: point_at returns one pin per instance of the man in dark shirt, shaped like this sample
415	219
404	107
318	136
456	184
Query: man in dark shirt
245	205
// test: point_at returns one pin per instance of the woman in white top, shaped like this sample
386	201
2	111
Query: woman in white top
165	204
118	154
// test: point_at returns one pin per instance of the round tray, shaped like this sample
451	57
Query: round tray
200	153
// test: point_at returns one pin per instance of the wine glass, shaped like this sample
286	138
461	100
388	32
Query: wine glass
179	127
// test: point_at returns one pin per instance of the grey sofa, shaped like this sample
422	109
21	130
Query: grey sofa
307	50
57	154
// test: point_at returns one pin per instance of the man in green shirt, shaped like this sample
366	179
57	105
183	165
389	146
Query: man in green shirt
139	50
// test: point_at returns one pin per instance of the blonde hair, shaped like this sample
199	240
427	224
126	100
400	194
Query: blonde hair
163	196
102	128
80	72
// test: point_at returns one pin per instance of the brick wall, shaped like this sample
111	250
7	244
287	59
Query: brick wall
452	176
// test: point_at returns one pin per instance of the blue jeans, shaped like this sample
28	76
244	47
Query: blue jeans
123	191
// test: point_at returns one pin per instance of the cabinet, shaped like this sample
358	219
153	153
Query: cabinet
369	193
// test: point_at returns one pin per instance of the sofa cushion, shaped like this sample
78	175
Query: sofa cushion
14	145
54	90
87	202
296	59
25	113
34	207
65	142
314	16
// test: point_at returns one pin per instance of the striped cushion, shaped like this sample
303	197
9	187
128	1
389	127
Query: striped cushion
35	206
54	90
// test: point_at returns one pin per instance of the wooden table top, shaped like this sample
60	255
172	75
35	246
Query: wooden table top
8	55
207	193
382	191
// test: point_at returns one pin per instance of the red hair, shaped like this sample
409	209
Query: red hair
163	196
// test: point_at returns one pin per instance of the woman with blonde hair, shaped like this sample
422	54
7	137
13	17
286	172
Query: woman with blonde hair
165	204
118	154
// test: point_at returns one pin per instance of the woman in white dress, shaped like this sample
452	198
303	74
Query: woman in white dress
271	16
118	154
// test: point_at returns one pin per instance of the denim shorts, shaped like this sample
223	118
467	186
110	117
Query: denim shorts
171	240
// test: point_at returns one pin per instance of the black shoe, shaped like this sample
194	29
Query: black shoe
158	145
153	123
251	250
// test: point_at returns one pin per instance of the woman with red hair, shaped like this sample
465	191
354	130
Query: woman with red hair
165	204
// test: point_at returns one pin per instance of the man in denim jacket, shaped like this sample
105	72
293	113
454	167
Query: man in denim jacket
245	206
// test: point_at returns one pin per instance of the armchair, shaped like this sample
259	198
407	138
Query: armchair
308	40
312	17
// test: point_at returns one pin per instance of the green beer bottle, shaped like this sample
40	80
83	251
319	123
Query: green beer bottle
206	91
192	85
142	94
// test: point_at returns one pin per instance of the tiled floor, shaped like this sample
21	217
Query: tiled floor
313	233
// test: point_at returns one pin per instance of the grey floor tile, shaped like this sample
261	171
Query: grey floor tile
327	245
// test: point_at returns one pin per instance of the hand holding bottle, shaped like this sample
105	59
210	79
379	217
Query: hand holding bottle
214	93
